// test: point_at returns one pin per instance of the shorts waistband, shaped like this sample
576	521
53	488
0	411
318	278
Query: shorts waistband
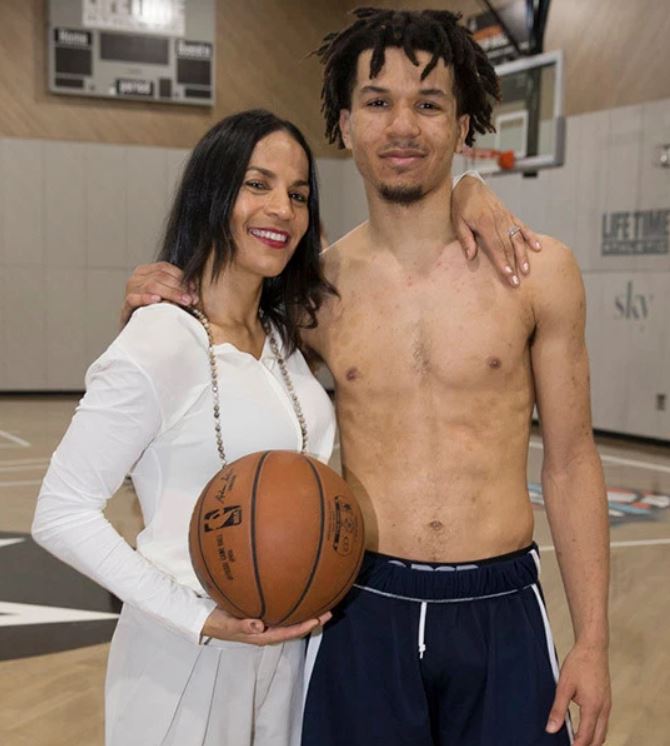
413	580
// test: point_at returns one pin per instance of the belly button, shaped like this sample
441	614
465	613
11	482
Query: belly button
352	374
436	525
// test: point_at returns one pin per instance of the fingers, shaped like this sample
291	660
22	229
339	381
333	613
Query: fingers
501	254
601	727
520	252
165	279
559	709
325	618
173	293
249	626
593	719
524	239
274	635
157	284
532	239
498	248
505	249
515	246
467	239
485	216
221	625
587	726
135	300
148	269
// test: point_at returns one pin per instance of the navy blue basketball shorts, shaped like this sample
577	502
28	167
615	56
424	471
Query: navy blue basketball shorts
421	654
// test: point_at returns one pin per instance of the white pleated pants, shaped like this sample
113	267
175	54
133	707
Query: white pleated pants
163	690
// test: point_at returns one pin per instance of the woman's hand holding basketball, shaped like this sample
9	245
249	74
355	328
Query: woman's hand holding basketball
221	625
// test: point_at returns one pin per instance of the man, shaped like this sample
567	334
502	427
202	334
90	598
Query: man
438	366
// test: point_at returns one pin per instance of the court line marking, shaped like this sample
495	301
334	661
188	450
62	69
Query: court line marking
27	460
23	461
621	544
618	460
24	467
9	542
14	441
21	483
15	615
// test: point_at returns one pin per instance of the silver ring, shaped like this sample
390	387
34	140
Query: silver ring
513	231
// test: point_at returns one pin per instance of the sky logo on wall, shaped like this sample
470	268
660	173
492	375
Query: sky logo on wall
632	305
635	232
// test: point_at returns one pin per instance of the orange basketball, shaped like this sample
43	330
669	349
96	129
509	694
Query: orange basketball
276	536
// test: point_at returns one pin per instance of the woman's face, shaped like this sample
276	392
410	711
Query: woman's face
270	215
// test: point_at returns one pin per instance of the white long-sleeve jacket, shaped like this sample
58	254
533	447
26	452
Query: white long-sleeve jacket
148	411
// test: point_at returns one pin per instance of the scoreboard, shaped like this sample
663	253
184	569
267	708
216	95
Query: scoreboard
159	51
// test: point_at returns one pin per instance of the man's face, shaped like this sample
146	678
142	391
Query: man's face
403	131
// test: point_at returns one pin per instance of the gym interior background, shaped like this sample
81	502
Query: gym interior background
84	188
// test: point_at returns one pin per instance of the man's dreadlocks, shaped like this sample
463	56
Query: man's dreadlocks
434	31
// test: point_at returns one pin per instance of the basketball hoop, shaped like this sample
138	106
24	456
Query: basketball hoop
505	159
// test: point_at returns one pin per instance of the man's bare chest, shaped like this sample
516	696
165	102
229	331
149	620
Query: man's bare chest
456	335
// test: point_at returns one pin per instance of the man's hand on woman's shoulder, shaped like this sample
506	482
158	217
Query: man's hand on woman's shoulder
152	283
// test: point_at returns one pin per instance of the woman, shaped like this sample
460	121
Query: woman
244	228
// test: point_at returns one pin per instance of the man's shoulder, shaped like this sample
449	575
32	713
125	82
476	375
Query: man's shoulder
555	278
338	263
555	263
340	256
553	250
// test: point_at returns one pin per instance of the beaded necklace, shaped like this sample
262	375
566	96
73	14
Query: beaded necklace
267	328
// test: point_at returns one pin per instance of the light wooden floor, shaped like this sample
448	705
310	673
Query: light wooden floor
56	699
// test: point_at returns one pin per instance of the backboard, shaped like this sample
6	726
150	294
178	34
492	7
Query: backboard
529	119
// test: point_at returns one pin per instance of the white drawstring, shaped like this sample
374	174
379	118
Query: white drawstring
422	629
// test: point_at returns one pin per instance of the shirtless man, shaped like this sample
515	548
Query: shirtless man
438	365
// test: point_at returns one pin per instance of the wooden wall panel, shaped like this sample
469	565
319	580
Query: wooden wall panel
616	54
260	59
617	51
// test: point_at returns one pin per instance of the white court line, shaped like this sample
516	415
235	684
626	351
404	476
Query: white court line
617	460
620	544
21	483
9	542
14	615
14	441
24	467
22	461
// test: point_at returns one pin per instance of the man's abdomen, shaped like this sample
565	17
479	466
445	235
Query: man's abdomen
441	490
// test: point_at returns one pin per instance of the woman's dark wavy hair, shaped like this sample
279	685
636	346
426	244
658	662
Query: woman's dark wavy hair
199	221
434	31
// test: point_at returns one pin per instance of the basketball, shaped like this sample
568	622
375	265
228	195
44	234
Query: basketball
276	536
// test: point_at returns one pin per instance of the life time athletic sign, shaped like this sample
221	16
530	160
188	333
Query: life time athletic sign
637	232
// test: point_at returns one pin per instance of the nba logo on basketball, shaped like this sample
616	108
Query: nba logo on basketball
218	519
